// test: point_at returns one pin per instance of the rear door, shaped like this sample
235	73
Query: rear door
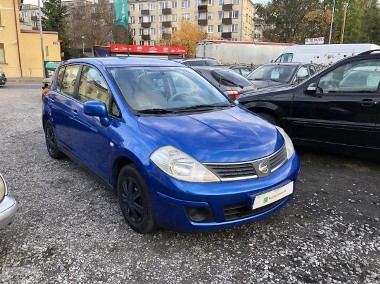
344	110
61	102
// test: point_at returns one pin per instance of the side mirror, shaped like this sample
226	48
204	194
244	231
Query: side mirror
311	89
99	109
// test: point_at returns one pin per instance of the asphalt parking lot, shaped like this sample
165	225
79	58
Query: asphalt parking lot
69	228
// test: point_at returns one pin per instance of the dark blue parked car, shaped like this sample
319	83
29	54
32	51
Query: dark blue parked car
176	150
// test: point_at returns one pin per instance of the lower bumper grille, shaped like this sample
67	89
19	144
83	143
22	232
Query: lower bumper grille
238	211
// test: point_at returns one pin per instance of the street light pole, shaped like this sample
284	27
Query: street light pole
332	21
41	39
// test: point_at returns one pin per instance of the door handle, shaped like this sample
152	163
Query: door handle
74	112
367	102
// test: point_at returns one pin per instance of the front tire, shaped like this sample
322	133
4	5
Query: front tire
134	200
51	142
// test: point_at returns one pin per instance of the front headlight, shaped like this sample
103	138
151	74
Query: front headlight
181	166
288	143
3	188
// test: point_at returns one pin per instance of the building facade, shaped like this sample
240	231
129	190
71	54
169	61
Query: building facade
151	21
20	49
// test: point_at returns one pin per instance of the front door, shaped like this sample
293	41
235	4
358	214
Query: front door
345	108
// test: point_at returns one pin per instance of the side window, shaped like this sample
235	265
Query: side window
69	79
358	77
59	84
302	74
93	87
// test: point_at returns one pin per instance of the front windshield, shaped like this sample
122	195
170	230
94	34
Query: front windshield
278	73
166	89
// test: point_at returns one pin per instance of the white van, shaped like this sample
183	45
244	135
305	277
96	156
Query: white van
324	54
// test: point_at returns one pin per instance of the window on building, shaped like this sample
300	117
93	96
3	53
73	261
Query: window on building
235	1
141	42
233	28
152	31
203	16
174	4
132	20
140	20
133	32
131	7
152	6
211	2
164	5
174	18
210	16
220	28
2	52
234	14
141	31
220	15
152	19
141	6
221	2
185	4
185	16
210	29
174	29
152	42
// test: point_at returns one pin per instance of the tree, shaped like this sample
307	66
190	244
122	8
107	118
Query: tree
287	18
121	35
54	17
187	35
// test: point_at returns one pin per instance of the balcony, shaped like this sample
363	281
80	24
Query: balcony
35	28
202	8
166	36
227	21
145	37
144	12
146	25
227	35
166	11
227	7
34	18
202	22
167	24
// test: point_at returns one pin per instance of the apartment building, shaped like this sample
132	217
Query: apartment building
151	21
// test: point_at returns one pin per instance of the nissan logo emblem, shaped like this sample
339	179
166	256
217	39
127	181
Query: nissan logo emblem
263	167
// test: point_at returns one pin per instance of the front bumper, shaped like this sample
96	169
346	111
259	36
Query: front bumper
3	80
227	203
8	208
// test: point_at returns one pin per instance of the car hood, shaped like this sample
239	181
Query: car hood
230	135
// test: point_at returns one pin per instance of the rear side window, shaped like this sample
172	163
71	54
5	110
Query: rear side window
230	78
67	79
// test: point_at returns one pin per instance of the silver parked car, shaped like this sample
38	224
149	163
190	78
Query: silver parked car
8	205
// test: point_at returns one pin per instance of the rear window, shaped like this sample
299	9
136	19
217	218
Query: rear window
230	78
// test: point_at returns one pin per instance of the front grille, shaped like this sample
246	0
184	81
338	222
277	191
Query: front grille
233	171
247	170
278	159
238	211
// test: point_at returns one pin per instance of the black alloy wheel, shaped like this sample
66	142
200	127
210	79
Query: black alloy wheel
134	200
51	142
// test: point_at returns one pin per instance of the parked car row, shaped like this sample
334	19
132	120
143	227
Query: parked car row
337	108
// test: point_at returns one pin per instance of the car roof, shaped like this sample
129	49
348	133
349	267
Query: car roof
286	63
199	58
125	61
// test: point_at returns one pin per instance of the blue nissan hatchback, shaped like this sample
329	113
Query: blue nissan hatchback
178	153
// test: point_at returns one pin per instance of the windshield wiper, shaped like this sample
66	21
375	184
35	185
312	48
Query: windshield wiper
204	107
155	111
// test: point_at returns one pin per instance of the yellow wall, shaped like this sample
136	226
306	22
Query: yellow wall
22	48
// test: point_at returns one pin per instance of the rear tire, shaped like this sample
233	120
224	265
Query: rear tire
269	118
51	142
134	200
